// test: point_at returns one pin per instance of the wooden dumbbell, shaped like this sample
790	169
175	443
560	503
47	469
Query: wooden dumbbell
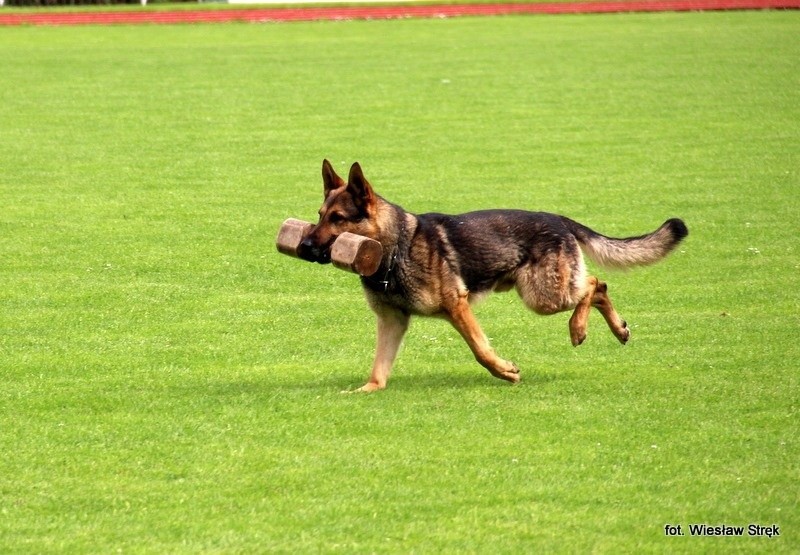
351	252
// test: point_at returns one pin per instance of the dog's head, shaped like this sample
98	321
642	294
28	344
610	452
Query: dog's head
350	206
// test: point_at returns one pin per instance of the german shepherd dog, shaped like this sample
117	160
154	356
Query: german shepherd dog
438	265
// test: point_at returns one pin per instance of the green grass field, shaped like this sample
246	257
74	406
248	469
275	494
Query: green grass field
170	383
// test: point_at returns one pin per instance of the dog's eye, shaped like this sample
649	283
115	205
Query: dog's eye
335	218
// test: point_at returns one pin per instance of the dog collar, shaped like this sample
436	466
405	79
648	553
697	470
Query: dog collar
382	286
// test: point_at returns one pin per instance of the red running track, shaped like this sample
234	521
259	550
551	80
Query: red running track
383	12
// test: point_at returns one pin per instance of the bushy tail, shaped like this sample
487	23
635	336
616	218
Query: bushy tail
632	251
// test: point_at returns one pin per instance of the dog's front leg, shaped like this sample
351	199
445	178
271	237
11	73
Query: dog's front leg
392	325
463	319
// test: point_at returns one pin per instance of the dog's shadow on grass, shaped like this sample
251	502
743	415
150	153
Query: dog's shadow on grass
417	382
427	381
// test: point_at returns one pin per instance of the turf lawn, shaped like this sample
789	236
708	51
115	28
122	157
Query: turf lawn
171	384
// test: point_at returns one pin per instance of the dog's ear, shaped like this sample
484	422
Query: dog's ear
359	187
330	180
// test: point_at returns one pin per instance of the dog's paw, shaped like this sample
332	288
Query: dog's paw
577	338
624	333
512	374
368	387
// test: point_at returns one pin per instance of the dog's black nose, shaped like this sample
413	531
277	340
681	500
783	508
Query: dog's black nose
308	251
312	252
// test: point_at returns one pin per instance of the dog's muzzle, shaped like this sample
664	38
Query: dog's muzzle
314	253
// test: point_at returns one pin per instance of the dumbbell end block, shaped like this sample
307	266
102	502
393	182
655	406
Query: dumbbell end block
356	253
290	236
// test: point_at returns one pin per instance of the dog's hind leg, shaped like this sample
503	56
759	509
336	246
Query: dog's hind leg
602	302
596	296
580	317
392	326
462	318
